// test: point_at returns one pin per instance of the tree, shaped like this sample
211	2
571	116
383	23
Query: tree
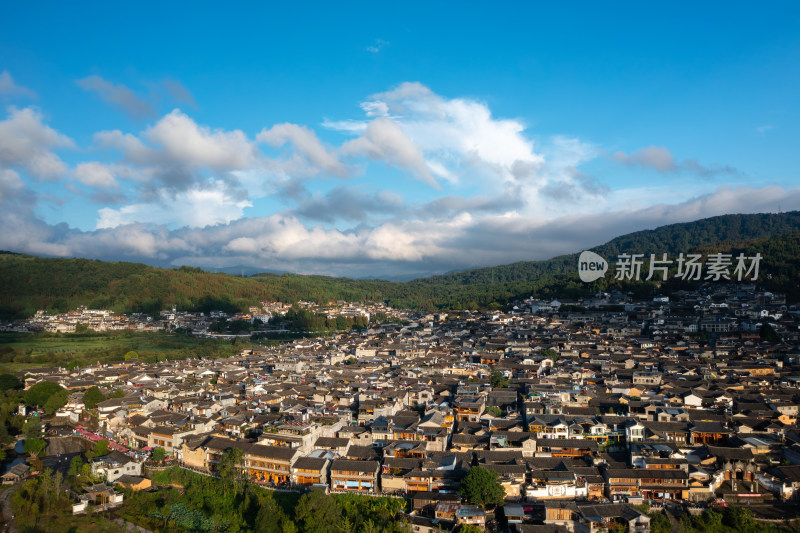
34	446
9	381
659	523
498	380
231	470
41	392
100	449
32	428
550	354
318	512
768	333
117	393
75	466
92	397
270	518
56	401
494	411
482	487
738	518
158	454
131	355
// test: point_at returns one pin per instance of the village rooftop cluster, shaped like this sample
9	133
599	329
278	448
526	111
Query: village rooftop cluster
582	408
197	323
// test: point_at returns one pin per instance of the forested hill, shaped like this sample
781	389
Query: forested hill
29	283
671	239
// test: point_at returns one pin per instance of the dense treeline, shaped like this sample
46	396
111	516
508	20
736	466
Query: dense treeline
731	519
188	502
31	283
184	501
231	503
11	423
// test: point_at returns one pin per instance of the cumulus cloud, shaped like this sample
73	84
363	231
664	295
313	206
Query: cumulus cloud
118	96
11	186
10	88
456	141
306	143
178	152
183	141
398	246
26	143
94	174
574	186
177	157
382	140
197	207
559	178
347	203
661	159
177	191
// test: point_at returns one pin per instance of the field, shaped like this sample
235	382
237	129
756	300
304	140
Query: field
19	351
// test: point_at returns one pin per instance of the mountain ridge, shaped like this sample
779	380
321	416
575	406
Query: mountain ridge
31	283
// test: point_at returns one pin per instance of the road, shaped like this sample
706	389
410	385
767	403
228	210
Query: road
9	524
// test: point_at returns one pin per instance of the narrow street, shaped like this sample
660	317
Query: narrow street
9	525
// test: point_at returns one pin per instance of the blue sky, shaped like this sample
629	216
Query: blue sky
387	141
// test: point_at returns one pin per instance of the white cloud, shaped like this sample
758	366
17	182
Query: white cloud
9	88
400	246
457	140
25	142
131	146
306	142
117	95
661	159
178	154
347	203
178	191
197	207
384	140
11	186
656	157
181	140
94	174
350	126
375	109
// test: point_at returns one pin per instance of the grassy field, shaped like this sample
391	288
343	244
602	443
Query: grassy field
62	523
19	351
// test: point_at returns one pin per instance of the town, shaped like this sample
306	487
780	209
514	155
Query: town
582	410
199	324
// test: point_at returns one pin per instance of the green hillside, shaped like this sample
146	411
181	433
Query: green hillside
671	239
30	283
